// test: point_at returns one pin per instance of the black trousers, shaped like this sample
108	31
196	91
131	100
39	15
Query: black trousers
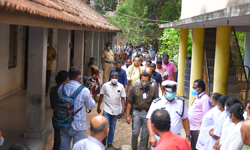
193	139
57	138
48	74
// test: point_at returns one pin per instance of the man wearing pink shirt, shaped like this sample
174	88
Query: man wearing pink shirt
197	110
170	67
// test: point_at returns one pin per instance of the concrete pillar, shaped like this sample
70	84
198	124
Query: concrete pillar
197	59
37	61
247	56
182	57
221	62
101	48
96	47
63	55
55	45
79	49
88	53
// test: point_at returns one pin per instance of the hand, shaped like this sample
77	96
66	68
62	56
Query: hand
128	119
123	111
152	140
130	80
200	123
103	68
197	134
211	132
126	90
1	135
163	92
92	87
188	139
99	110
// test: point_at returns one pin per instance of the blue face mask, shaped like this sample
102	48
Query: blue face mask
227	112
151	49
1	142
218	107
139	52
210	104
230	120
194	92
170	96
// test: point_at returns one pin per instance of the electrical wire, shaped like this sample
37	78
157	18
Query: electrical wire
130	15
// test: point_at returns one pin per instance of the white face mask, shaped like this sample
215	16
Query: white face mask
114	81
108	48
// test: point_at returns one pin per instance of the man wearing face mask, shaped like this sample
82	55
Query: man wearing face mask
128	63
107	62
140	97
84	100
138	51
198	109
176	108
112	94
151	53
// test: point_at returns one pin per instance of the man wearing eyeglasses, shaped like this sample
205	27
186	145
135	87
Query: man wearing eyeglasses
176	108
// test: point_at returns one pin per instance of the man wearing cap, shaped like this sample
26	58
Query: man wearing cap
107	62
176	108
113	94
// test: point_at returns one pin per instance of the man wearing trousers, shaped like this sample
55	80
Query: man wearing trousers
107	62
140	97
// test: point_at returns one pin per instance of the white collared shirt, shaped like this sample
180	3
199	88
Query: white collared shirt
89	143
172	108
226	128
208	123
112	96
233	140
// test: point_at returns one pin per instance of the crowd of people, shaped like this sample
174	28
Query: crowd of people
140	84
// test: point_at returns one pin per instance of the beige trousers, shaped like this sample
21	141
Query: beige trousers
108	67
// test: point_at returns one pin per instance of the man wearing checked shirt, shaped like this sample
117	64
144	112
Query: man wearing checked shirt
78	128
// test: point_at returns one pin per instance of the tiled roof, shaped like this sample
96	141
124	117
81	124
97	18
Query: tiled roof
73	11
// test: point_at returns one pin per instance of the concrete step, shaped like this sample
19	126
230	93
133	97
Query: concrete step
209	40
209	47
210	54
231	79
210	62
231	71
231	88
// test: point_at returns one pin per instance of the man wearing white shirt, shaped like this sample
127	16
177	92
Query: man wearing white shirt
99	129
128	63
176	109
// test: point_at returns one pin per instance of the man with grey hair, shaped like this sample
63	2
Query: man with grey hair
99	129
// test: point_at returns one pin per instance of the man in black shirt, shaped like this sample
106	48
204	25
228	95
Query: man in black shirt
61	78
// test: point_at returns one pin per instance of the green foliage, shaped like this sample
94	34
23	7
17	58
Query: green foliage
134	18
105	5
169	42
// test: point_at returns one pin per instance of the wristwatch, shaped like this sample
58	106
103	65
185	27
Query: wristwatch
188	136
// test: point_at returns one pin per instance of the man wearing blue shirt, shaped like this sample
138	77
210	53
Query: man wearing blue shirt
157	77
122	74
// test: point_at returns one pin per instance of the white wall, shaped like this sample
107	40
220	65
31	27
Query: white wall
192	8
10	79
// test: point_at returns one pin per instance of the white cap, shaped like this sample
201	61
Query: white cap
169	85
164	74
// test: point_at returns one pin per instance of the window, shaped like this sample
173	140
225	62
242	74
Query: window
13	38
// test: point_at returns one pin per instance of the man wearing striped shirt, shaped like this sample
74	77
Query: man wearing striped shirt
78	128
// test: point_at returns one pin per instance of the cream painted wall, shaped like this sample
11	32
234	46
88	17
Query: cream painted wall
192	8
10	79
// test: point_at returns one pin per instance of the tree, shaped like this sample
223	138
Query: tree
139	19
103	6
169	42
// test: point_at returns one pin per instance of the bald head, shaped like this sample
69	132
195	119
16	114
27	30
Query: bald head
98	124
147	57
149	70
245	132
